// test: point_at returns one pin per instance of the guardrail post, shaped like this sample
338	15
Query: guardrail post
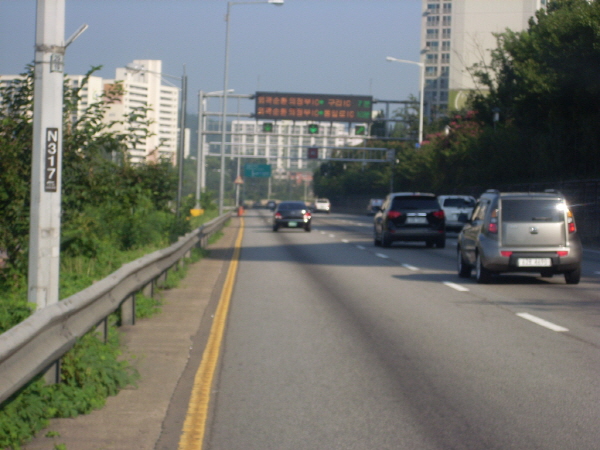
52	374
162	279
148	290
128	311
102	328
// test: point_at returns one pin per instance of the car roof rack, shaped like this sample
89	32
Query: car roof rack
553	191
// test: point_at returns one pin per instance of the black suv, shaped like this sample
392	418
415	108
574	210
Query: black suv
410	216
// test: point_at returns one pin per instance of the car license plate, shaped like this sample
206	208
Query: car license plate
534	262
416	220
292	224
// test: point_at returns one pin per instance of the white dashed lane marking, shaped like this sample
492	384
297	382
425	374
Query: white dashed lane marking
458	287
542	322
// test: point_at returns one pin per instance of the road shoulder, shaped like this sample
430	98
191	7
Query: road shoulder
167	350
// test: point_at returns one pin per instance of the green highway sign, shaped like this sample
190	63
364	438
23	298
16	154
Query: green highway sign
257	170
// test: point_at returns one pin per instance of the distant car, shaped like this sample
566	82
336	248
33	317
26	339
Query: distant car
374	205
271	204
410	216
322	205
520	232
292	214
458	209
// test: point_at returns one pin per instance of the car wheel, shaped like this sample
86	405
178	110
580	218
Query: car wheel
573	277
275	227
482	275
441	243
429	244
385	240
464	268
307	227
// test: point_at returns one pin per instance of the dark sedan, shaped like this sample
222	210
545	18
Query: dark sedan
292	214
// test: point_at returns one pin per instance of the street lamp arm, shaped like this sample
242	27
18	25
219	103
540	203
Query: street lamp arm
137	68
421	90
272	2
389	58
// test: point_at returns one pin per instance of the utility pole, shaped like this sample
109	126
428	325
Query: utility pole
44	234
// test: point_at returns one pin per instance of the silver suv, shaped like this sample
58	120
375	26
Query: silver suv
520	232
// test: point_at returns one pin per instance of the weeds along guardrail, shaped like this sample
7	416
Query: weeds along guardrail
37	344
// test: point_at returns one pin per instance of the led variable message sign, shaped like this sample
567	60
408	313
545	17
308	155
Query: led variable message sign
314	107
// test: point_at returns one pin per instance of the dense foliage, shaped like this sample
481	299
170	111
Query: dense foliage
543	84
112	212
106	201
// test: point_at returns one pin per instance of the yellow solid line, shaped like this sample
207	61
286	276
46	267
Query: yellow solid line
195	422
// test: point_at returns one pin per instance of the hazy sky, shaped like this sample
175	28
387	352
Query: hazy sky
305	46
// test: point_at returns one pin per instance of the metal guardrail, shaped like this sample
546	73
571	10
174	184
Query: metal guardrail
37	344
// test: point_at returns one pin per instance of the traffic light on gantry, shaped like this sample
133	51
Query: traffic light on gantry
267	127
360	130
313	128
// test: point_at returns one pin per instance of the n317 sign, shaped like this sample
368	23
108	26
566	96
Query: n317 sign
51	169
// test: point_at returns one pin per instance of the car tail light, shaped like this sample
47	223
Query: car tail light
571	222
506	253
439	214
393	214
563	253
307	215
493	225
278	215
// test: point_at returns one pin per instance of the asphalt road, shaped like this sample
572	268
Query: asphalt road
333	343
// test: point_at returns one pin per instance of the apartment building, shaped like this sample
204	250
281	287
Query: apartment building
147	87
286	145
90	93
455	35
144	87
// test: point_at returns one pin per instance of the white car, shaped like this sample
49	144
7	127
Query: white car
322	205
374	206
458	209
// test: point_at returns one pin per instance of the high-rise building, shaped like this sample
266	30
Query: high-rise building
145	87
456	35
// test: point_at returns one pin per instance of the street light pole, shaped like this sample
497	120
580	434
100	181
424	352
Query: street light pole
225	79
180	154
421	90
46	179
200	160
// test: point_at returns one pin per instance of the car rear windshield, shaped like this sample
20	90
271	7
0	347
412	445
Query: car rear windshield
539	210
291	206
459	202
417	202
